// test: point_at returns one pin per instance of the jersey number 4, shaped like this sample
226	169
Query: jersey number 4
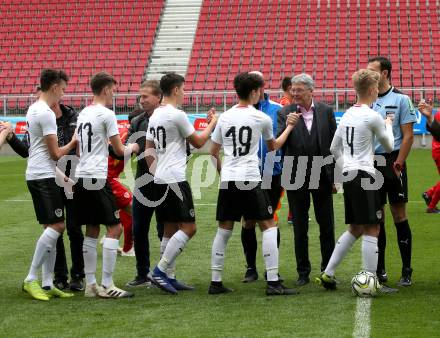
161	136
89	134
350	136
244	137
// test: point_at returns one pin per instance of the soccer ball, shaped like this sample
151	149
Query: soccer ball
365	284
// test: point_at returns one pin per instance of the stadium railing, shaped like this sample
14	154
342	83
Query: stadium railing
201	101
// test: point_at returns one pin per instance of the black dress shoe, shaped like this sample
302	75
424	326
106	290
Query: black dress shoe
61	284
77	284
302	281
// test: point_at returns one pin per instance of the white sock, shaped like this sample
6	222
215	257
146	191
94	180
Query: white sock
218	253
270	253
163	245
343	245
109	254
46	243
171	270
173	249
47	268
90	256
370	253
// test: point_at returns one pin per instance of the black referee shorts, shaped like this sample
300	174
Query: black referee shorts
396	188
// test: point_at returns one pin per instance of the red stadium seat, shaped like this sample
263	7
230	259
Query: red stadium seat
345	38
118	36
74	32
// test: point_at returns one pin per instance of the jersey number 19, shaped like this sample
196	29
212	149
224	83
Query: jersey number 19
245	141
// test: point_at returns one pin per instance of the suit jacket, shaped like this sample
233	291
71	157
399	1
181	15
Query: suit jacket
295	145
140	124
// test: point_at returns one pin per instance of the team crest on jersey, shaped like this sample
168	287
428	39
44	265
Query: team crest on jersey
117	213
269	209
192	212
59	212
126	195
379	214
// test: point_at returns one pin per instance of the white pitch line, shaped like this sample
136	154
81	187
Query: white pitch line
362	325
16	201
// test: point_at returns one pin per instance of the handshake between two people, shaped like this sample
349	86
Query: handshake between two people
293	118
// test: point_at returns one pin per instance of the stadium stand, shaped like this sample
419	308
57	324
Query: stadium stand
81	37
327	39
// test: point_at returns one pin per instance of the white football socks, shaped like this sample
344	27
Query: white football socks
175	246
343	245
48	267
270	253
45	244
171	270
109	255
163	245
90	256
370	253
218	253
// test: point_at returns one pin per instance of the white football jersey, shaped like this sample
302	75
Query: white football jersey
355	136
168	128
96	124
239	130
40	121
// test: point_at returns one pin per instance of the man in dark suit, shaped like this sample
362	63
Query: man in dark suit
304	153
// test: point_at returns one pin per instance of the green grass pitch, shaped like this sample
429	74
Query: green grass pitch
413	312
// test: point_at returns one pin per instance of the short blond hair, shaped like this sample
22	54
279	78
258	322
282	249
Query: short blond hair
363	80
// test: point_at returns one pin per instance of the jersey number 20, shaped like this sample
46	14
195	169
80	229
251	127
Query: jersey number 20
161	136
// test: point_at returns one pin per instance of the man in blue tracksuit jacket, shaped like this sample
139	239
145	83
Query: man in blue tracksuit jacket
270	168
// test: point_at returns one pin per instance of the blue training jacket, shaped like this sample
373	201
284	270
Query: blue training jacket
270	108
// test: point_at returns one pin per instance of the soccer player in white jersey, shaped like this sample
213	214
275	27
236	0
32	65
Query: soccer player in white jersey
239	130
353	146
168	129
40	179
93	198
